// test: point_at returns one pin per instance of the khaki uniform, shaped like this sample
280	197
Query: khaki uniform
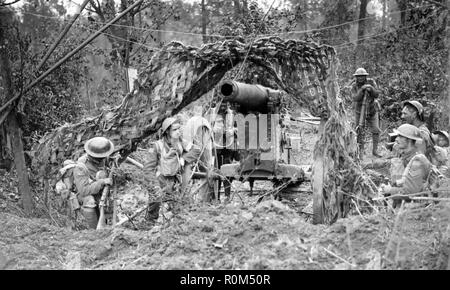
85	179
154	165
372	107
372	113
414	177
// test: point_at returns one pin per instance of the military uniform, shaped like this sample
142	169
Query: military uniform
85	178
372	107
414	177
156	161
90	177
372	118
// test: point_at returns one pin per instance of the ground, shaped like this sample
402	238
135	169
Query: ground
241	234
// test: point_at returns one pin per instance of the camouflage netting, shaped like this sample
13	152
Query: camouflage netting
178	75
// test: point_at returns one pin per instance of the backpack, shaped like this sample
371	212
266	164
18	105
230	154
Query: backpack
168	165
65	186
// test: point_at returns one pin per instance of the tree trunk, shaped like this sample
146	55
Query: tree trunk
384	25
402	4
237	9
362	22
204	21
305	15
12	122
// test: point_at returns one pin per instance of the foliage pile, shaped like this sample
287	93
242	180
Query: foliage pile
179	75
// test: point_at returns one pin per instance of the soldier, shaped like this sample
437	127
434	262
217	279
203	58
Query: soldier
412	113
417	166
441	138
90	177
440	156
364	92
167	158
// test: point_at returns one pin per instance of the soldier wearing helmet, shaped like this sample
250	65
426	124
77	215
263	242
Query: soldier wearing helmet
441	138
441	151
412	113
416	165
361	86
90	176
167	158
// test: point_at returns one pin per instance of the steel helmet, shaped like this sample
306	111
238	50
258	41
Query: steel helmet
167	123
360	72
408	131
99	147
418	106
443	133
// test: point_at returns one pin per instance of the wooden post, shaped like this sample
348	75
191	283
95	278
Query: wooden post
12	122
317	182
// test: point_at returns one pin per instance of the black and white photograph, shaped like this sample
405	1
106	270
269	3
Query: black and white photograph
224	139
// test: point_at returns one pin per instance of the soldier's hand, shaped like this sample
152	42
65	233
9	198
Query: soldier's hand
172	152
107	181
367	87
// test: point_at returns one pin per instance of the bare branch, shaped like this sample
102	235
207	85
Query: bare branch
98	9
438	4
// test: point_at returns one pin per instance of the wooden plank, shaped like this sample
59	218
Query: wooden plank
317	183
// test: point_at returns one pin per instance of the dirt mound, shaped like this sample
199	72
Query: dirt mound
241	234
270	235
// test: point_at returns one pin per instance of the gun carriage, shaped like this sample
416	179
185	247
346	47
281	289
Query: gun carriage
253	142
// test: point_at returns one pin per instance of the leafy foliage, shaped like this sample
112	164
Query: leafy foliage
407	63
56	99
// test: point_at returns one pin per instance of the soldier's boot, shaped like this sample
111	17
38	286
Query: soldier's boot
375	141
90	214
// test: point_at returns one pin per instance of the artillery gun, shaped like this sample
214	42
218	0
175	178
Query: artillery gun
252	142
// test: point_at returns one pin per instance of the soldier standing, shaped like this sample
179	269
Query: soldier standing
365	92
167	158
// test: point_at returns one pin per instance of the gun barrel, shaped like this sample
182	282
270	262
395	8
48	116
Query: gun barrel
247	95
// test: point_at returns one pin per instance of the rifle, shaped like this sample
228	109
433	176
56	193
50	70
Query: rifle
102	219
362	116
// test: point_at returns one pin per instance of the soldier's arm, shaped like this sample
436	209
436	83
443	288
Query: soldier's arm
375	90
415	176
85	186
357	94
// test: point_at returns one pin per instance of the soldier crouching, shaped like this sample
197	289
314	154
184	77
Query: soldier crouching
90	177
